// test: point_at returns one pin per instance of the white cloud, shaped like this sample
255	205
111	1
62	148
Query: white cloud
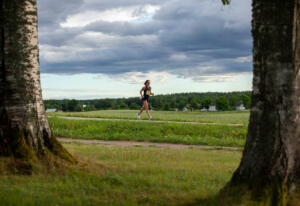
178	57
89	93
244	59
207	74
125	14
141	77
62	54
215	78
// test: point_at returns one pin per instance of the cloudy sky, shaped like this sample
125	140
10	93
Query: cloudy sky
108	48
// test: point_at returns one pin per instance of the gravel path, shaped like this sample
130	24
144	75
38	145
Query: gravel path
148	144
157	121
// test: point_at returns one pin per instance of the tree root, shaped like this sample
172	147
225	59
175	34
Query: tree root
16	145
58	150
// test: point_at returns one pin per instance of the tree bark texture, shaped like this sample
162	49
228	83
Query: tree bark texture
271	157
24	128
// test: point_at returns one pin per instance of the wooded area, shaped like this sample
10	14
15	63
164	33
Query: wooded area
222	101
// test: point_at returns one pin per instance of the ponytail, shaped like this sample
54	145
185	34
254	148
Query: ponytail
146	82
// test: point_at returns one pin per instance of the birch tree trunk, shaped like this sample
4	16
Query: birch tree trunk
270	166
24	129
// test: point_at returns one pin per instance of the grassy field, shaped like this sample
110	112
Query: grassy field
218	135
125	176
240	117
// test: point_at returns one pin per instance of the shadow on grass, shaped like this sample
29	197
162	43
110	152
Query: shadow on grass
239	196
228	196
218	200
211	201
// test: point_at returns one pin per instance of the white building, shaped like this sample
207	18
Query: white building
212	108
240	107
52	110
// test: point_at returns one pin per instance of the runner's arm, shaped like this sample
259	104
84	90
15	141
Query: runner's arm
141	92
151	92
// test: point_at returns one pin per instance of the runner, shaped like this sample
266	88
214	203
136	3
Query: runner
145	99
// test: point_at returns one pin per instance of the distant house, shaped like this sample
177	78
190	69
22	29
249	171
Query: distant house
240	107
84	106
204	110
212	108
52	110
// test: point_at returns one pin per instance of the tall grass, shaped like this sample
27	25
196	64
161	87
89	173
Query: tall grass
218	135
125	176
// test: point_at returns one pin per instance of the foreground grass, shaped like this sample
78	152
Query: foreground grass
125	176
236	117
217	135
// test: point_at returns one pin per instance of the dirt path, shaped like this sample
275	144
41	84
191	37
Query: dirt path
148	144
157	121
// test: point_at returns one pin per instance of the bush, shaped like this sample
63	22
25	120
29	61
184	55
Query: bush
134	106
222	104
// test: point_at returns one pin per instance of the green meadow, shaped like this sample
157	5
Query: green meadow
133	175
217	135
124	176
234	117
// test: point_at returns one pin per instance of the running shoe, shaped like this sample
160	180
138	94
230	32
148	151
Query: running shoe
138	116
150	117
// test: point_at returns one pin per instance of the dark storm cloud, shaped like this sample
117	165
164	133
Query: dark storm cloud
125	28
186	38
54	11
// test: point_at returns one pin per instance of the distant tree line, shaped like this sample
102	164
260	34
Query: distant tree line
192	101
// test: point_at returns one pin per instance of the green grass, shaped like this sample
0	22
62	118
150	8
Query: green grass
218	135
237	117
125	176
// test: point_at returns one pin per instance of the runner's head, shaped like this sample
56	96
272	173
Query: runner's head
147	83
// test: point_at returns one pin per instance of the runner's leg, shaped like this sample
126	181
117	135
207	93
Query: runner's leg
142	109
147	109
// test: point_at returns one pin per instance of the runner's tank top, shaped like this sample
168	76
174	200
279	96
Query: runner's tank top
147	91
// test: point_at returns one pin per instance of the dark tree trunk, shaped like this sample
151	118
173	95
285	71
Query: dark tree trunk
271	158
24	129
